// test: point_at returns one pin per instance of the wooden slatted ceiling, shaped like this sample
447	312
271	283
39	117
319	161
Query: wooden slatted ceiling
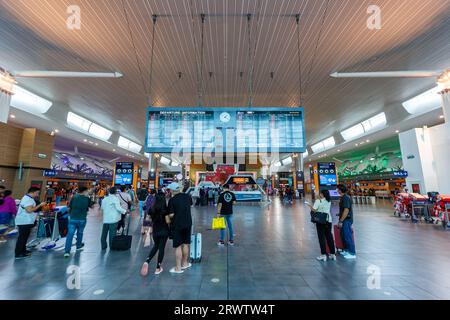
33	35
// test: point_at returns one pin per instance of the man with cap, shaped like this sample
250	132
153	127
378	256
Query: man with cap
180	220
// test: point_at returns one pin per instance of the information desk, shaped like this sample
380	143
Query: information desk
245	188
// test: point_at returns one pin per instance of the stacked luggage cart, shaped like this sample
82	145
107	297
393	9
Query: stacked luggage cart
52	227
433	209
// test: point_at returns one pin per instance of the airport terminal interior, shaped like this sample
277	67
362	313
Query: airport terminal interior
224	150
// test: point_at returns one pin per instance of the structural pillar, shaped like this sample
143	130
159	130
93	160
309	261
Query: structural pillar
153	171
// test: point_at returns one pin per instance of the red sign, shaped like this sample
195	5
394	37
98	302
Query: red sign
223	172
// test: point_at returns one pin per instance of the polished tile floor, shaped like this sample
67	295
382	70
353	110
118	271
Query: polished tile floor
274	258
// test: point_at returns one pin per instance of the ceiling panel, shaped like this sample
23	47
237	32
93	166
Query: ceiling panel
117	35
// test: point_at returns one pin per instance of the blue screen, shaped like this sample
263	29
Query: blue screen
327	180
123	178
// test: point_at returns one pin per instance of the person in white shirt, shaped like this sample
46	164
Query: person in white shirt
125	202
323	204
112	213
25	220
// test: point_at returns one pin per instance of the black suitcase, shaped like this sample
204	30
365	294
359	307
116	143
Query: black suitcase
122	242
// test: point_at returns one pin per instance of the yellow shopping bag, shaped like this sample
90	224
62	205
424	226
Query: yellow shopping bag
218	223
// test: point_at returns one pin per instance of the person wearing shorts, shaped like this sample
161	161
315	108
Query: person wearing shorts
180	220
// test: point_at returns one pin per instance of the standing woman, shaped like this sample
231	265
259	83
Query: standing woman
158	214
8	212
323	204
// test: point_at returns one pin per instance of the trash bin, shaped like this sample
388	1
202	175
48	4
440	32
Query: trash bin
373	199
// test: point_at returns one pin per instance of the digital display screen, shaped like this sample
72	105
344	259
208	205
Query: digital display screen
327	174
240	180
124	173
123	178
227	129
334	193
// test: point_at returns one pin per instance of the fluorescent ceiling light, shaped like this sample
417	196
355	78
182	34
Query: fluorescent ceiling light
165	161
29	102
93	129
100	132
364	127
77	121
128	144
324	145
287	161
427	101
353	132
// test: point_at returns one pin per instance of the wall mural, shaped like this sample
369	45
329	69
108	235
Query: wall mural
81	164
372	163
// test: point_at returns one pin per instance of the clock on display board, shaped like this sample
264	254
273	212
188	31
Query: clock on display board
225	117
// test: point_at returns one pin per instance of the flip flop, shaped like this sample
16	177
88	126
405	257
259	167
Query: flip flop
174	270
186	267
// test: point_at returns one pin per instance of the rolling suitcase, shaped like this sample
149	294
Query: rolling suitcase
337	238
123	241
196	247
195	253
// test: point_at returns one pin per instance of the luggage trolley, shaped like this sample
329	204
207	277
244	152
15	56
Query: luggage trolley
51	227
419	202
441	210
401	205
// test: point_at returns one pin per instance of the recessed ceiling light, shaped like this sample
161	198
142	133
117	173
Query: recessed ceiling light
56	130
367	140
356	144
441	116
397	131
85	140
96	144
339	150
114	149
12	116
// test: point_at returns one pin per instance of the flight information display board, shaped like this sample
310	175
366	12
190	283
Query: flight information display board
227	129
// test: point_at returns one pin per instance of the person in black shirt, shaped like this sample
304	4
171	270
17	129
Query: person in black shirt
225	209
346	222
158	214
179	209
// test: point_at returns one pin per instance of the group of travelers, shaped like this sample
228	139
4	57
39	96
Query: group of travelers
170	218
322	205
206	196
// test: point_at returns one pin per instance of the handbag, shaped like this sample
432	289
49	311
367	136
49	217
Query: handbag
130	205
218	223
319	217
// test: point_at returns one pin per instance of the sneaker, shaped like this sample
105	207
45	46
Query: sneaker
66	255
23	256
81	248
322	258
343	253
350	256
221	243
332	257
231	243
158	271
186	267
174	270
144	269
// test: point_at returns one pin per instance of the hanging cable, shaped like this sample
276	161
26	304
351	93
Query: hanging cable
317	44
151	58
300	100
250	73
134	46
200	92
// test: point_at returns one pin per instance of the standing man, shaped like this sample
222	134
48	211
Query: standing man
225	209
25	219
142	196
78	208
180	220
112	213
101	195
346	222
